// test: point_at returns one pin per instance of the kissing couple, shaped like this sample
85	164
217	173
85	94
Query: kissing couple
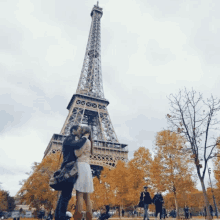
78	147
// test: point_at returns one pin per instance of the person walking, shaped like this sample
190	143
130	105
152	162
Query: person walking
84	182
164	213
50	216
145	197
105	215
211	211
69	145
123	212
158	202
186	211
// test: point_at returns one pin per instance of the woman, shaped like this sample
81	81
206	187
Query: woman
84	183
69	145
158	201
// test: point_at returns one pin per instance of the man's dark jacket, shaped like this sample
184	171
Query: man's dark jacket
69	145
158	200
145	196
186	209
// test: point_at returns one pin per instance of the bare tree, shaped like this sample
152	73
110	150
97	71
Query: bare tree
195	119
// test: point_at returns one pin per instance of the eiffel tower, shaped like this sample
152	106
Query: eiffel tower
88	106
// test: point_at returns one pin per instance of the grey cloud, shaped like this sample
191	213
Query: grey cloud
207	41
128	45
58	12
16	108
5	171
6	118
141	127
145	135
12	114
156	55
10	38
164	8
173	9
198	20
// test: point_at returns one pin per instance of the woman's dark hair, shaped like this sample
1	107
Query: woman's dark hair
74	127
86	130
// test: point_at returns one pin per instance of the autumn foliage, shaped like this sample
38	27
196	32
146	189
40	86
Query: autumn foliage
217	167
35	190
3	201
172	170
169	171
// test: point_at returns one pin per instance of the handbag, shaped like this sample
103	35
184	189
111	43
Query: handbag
141	204
68	173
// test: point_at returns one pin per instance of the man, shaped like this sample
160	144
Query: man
69	145
145	196
105	215
164	213
186	210
50	216
123	212
158	202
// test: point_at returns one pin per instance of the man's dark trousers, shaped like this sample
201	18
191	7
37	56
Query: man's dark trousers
159	210
66	194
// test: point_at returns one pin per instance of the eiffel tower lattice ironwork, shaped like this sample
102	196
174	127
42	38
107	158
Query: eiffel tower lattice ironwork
88	106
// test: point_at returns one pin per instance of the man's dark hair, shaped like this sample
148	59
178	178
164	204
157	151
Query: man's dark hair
74	127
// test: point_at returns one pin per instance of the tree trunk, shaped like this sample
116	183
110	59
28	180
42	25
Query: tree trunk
177	207
205	199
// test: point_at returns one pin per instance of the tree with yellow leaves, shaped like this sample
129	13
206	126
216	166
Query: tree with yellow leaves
114	186
191	199
36	191
217	166
173	165
142	160
136	177
118	180
3	200
103	194
156	174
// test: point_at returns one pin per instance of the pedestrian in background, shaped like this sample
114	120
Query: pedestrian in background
123	212
164	213
186	211
146	199
158	202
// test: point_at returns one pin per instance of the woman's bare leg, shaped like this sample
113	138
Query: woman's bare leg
86	197
79	201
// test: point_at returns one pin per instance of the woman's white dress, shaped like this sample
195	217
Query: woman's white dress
84	182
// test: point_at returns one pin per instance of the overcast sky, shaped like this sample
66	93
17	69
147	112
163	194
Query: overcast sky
149	50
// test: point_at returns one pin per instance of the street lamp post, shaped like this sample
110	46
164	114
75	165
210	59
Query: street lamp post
216	210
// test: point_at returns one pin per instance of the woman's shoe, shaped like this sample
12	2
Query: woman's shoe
77	215
88	216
